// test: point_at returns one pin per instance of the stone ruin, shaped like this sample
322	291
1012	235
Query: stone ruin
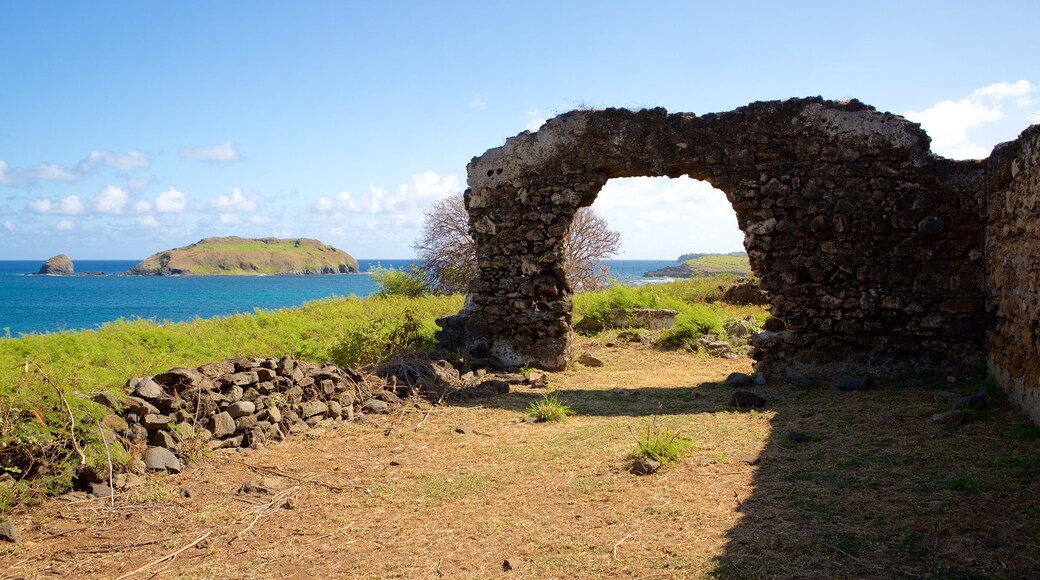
878	257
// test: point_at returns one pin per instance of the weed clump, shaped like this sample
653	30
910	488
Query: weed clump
661	445
549	409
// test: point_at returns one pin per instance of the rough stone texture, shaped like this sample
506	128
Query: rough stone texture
867	245
1013	270
59	265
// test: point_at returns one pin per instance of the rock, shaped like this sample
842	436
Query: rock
852	383
494	386
746	400
253	487
245	423
588	360
745	292
104	399
537	377
159	459
509	564
760	379
153	422
187	493
180	378
9	533
802	384
255	438
240	379
335	410
644	466
463	429
738	380
136	434
796	437
145	387
100	490
221	425
217	370
272	414
748	459
976	401
388	396
715	348
165	440
949	418
241	409
346	400
59	265
139	406
375	406
313	409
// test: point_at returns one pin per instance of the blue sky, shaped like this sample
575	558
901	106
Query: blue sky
131	127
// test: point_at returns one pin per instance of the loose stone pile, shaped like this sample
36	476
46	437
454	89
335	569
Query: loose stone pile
241	403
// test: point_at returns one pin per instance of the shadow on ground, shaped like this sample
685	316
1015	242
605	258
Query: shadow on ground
863	484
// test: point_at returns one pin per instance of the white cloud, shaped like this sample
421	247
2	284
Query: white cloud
65	225
148	221
9	225
27	176
69	205
477	103
110	201
229	218
948	122
406	203
237	201
225	152
535	120
143	207
171	201
658	217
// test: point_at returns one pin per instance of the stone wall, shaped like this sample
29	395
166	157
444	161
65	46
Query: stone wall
869	246
1013	270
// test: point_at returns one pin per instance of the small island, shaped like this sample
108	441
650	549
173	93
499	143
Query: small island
702	265
231	256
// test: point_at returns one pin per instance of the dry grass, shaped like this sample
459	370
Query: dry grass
880	492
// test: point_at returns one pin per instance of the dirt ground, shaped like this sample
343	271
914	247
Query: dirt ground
875	490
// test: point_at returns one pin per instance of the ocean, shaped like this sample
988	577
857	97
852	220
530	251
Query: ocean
39	304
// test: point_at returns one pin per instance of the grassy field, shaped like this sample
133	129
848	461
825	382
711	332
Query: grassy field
876	490
233	255
712	265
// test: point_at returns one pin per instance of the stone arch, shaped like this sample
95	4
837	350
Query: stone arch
868	244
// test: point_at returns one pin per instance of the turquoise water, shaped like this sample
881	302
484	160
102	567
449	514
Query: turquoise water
33	304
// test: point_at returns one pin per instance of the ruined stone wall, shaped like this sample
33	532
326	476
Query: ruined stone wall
869	246
1013	270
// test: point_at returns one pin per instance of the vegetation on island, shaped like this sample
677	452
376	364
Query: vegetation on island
701	265
243	256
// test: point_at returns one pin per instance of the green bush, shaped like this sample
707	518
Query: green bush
696	321
410	283
549	409
661	445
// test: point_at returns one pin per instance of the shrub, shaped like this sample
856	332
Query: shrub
410	283
661	445
549	409
695	322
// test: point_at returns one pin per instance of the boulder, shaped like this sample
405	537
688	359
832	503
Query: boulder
738	380
746	400
160	459
222	425
59	265
241	409
145	388
589	360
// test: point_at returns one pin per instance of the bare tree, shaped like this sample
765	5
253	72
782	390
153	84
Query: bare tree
448	254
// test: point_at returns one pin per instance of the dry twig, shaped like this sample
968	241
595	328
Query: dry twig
268	508
619	542
166	557
108	454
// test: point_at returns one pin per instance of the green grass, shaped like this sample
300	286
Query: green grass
38	371
661	445
549	409
712	265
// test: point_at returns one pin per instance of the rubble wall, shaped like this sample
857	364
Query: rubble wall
1013	270
870	247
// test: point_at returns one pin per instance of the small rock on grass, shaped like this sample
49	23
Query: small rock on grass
738	380
949	418
748	459
746	400
100	490
509	564
253	487
9	533
644	466
796	437
590	361
375	406
463	429
160	459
